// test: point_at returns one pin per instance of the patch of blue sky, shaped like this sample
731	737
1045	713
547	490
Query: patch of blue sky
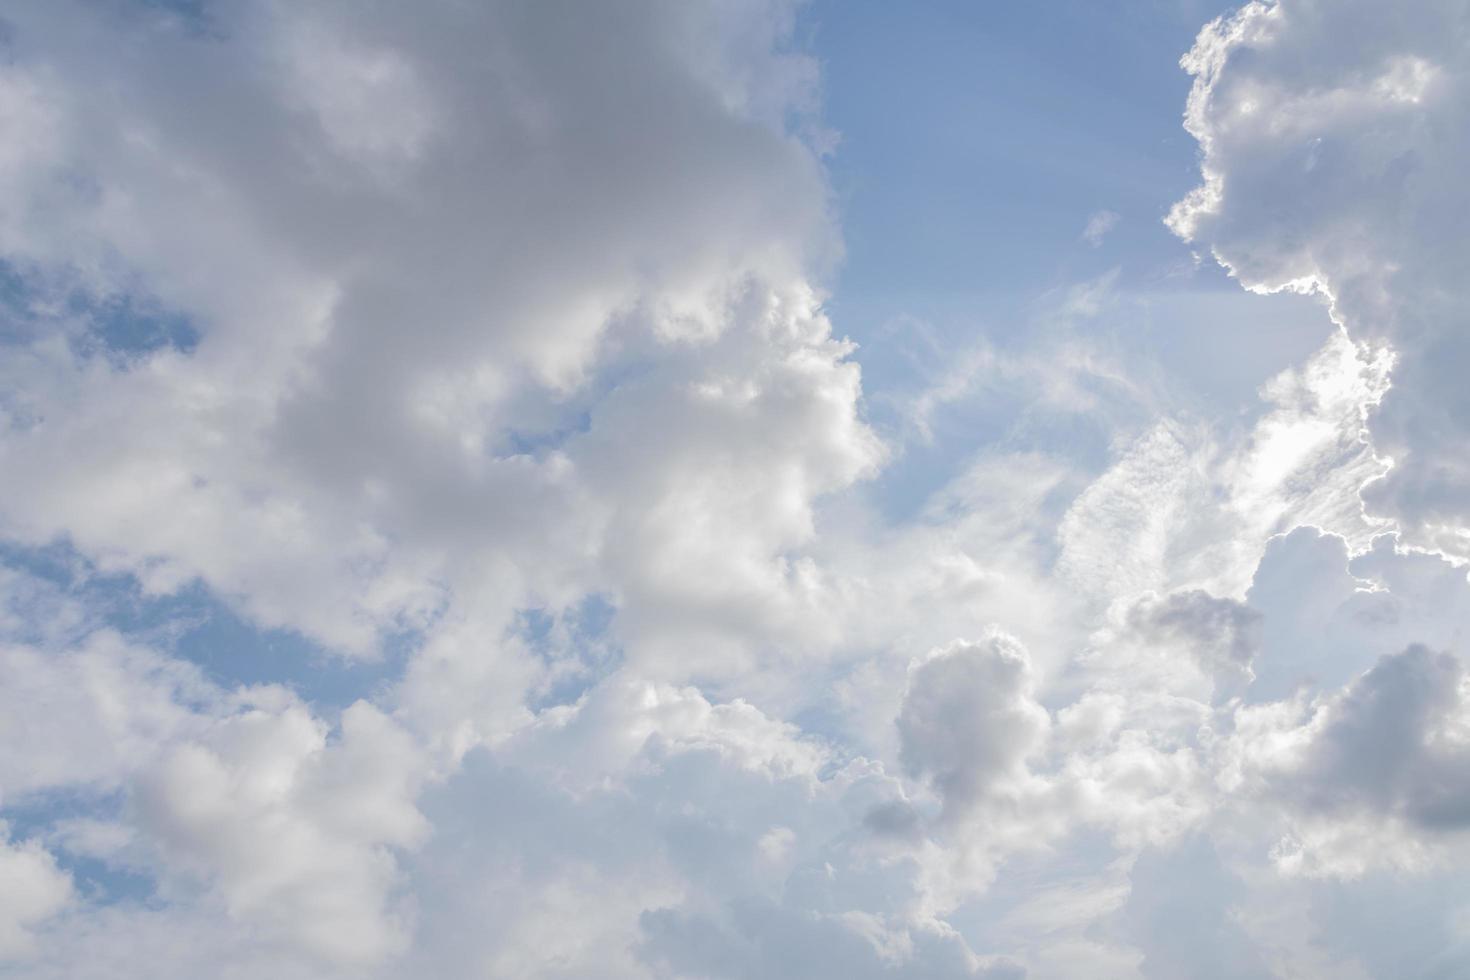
960	119
43	815
193	16
17	320
827	719
185	8
549	420
119	326
527	442
575	646
1204	355
196	625
976	143
133	325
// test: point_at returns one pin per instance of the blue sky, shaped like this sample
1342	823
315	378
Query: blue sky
975	143
698	489
977	139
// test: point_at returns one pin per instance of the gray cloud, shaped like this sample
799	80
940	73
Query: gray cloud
1332	135
1222	635
968	720
453	319
1388	744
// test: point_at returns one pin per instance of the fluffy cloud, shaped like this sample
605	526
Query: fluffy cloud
35	890
1393	742
581	370
480	312
969	719
1332	135
482	348
288	830
241	800
1223	633
90	715
1368	776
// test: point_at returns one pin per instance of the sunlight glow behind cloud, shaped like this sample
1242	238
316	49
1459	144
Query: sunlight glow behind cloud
448	530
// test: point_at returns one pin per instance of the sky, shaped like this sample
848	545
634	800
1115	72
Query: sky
734	489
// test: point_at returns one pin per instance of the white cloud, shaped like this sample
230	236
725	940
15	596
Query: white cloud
35	890
406	331
1332	139
1221	635
91	715
503	310
288	830
242	798
968	719
1099	223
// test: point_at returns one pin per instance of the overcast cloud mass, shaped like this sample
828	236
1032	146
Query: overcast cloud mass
476	501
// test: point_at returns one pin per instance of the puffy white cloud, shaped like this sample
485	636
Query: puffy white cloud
1332	136
1366	777
1329	614
288	830
490	313
614	373
969	719
241	800
648	832
90	715
35	890
1222	635
484	315
1393	742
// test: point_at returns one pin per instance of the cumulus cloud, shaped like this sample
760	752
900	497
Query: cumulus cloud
401	392
483	312
1393	742
1331	136
90	715
1379	760
35	890
239	797
969	720
1222	635
482	351
289	830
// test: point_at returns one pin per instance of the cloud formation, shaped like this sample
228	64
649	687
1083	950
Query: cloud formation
1330	134
444	533
968	719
